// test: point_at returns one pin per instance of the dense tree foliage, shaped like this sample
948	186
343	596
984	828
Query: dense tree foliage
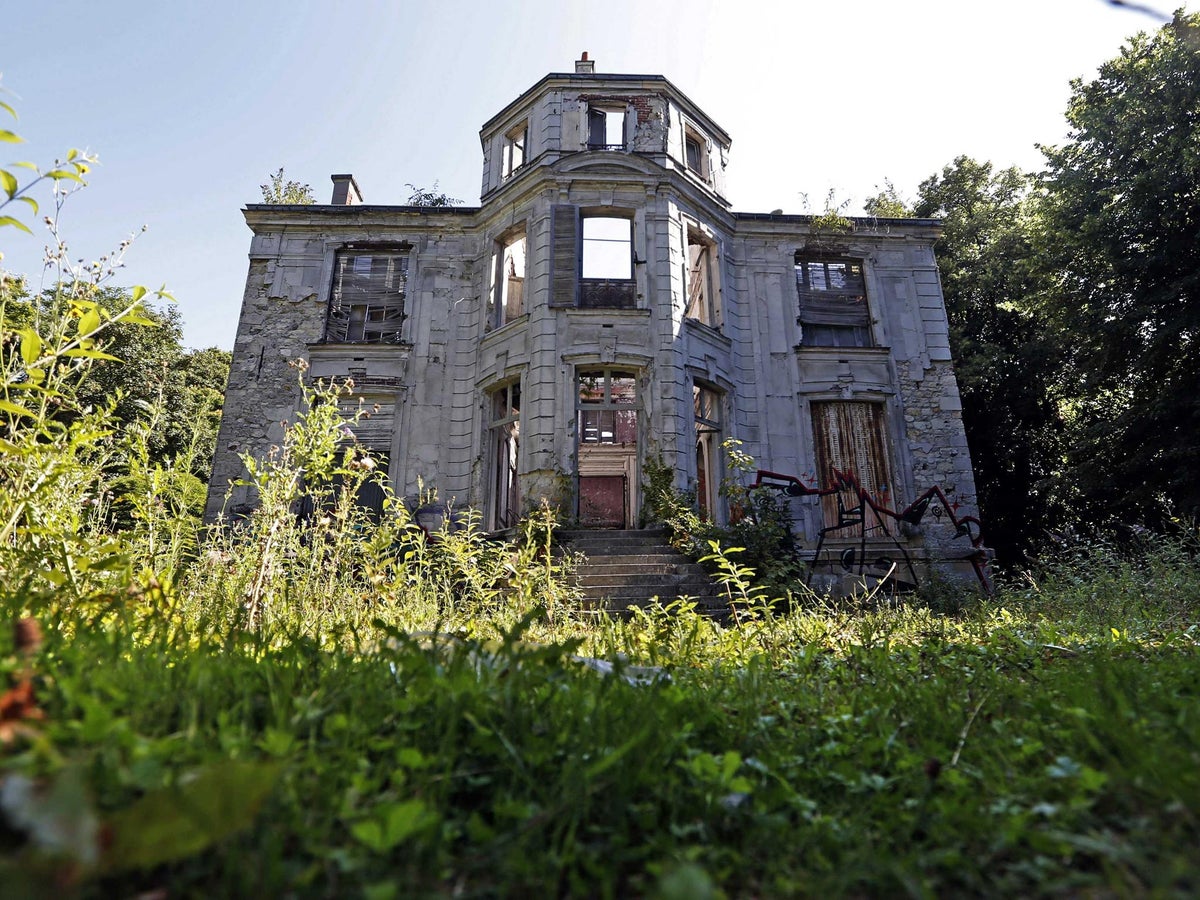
1119	238
1006	368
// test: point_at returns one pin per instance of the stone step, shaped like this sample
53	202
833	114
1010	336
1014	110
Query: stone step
620	569
593	569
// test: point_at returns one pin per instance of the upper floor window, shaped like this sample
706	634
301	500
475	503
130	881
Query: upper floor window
695	154
366	303
833	302
515	142
606	128
701	280
508	290
592	260
606	263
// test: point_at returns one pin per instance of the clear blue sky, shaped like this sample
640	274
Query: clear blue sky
190	106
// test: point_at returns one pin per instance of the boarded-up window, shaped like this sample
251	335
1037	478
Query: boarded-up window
833	302
366	302
851	442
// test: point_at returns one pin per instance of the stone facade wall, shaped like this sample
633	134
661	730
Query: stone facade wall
434	386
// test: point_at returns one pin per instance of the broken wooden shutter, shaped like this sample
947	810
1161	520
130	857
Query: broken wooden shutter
564	250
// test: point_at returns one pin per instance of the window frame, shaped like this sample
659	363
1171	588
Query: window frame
500	298
514	150
709	457
606	404
350	321
593	117
829	315
707	297
700	168
503	429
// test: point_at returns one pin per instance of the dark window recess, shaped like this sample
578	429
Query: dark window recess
366	303
833	302
606	129
694	153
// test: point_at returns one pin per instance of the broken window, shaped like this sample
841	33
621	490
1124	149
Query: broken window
514	149
366	303
701	280
606	128
707	408
608	405
508	290
504	433
833	302
850	438
695	153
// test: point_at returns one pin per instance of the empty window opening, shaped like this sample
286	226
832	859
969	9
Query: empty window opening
701	280
833	302
707	409
607	248
514	148
851	439
509	279
606	268
366	303
606	128
504	431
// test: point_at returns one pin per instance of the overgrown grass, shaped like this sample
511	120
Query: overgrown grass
315	702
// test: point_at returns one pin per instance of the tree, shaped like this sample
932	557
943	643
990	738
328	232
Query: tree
887	204
286	193
1120	209
1006	367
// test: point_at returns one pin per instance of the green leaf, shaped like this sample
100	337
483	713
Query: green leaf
31	346
13	410
9	182
8	109
184	819
16	223
9	138
88	322
64	175
32	203
88	353
137	292
394	824
27	165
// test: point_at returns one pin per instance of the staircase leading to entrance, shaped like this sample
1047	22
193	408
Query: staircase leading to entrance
625	569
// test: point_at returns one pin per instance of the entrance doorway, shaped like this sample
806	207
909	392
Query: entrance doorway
607	407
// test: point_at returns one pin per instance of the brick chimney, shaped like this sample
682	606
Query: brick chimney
585	66
345	191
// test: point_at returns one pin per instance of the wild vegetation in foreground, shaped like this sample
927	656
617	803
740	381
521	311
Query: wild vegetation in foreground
327	704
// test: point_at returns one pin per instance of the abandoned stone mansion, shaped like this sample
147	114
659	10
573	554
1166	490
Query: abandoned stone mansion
604	310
